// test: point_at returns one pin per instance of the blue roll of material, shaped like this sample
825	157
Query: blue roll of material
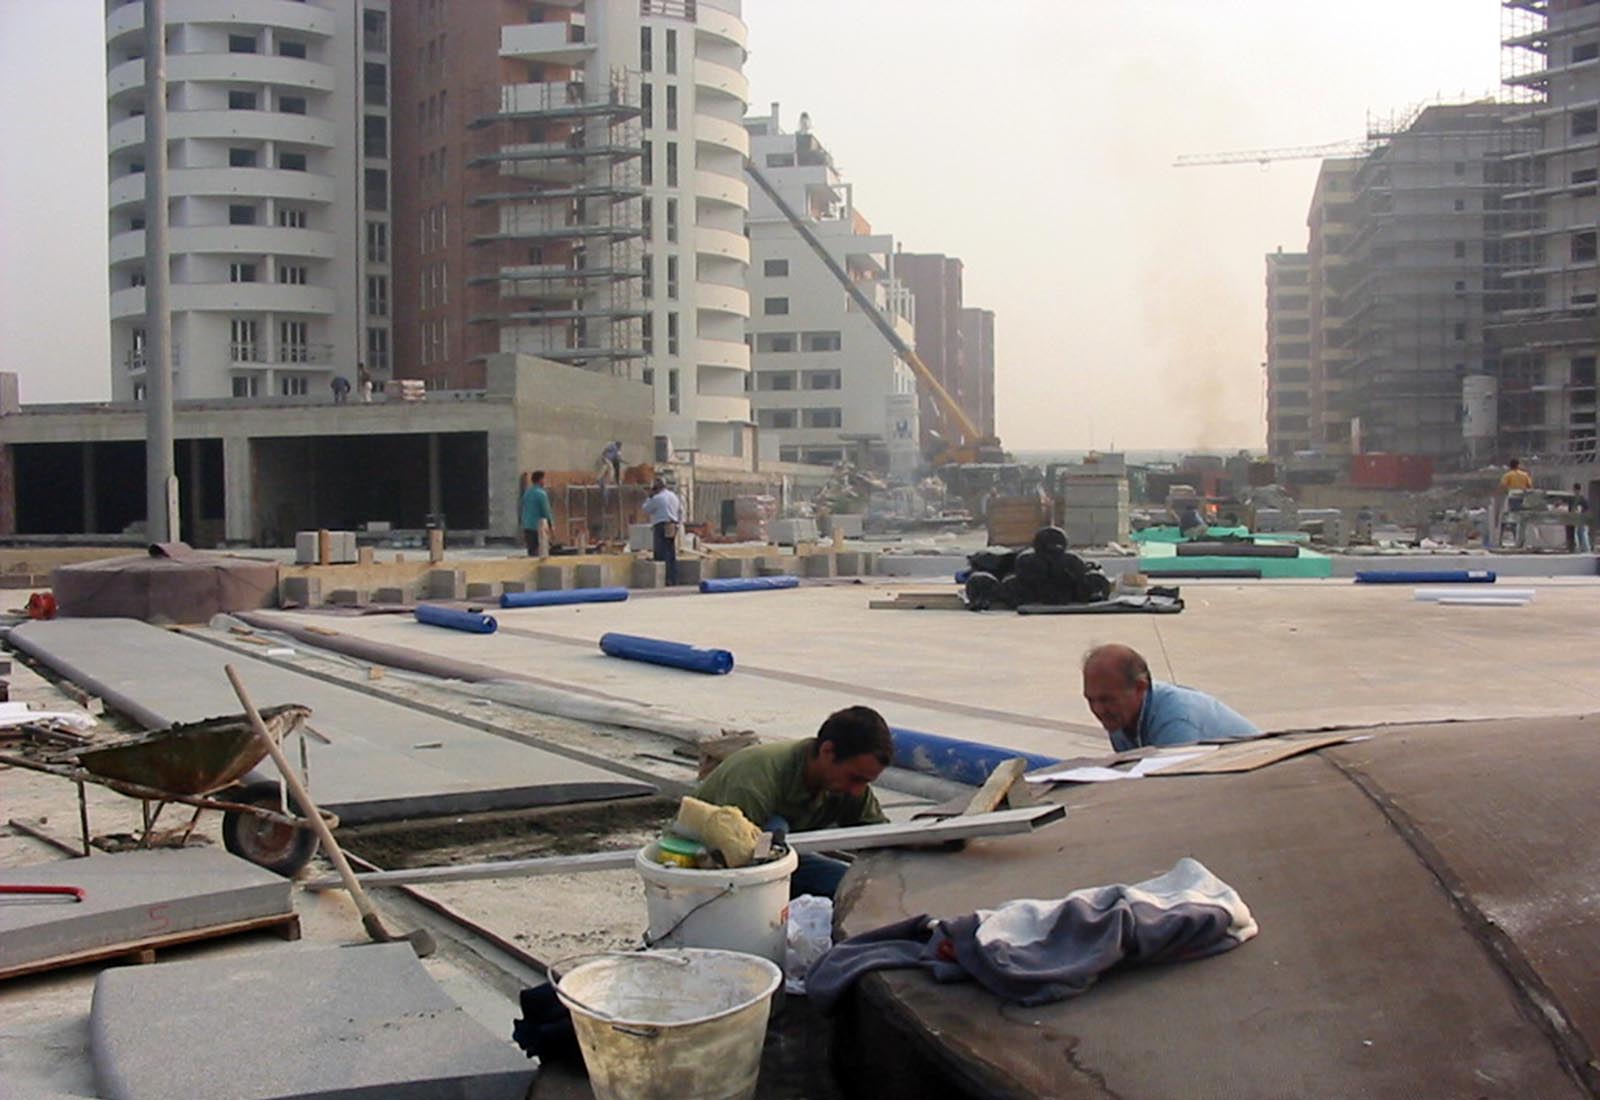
555	597
474	622
950	758
748	584
1425	576
962	575
655	651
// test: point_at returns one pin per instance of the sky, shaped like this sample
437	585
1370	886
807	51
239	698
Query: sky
1034	140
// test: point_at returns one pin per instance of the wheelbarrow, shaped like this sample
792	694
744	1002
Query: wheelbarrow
200	764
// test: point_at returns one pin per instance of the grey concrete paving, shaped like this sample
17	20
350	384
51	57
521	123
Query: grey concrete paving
133	896
1290	654
385	760
333	1023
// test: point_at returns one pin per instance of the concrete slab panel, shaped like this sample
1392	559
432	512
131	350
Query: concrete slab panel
648	574
821	565
735	567
304	591
374	769
691	570
134	896
589	576
338	1023
447	584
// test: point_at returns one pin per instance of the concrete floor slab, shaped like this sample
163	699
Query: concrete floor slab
385	760
1287	654
133	896
332	1024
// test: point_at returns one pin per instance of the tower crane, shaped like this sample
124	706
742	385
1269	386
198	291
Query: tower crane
1264	157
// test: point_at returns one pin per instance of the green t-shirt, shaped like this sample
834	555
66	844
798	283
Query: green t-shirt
767	780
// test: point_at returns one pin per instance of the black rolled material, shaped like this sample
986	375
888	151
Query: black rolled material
1237	550
981	590
1050	540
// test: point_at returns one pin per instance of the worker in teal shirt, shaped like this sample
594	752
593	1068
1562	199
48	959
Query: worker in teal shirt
1137	712
536	516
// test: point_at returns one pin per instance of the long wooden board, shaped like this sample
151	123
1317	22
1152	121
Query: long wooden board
1247	756
920	601
856	838
286	925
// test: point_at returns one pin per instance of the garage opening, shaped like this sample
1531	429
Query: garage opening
98	488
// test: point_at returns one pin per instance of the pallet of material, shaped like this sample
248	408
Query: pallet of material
921	601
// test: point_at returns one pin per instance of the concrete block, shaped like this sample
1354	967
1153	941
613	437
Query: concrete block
848	526
691	570
549	578
305	548
304	591
821	565
400	595
483	590
847	563
648	574
640	537
516	586
589	576
334	1023
447	584
135	896
735	567
869	562
348	597
789	532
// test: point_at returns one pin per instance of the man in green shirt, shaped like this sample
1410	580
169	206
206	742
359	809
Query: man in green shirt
819	783
536	516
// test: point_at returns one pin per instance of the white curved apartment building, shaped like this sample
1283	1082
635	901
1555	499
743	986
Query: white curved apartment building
278	178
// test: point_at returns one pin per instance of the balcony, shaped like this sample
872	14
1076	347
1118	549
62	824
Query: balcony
716	187
720	242
732	354
129	302
721	134
559	43
248	68
713	78
722	299
297	356
712	23
128	20
255	183
720	409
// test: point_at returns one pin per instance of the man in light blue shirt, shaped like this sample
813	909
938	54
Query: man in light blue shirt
1137	712
665	512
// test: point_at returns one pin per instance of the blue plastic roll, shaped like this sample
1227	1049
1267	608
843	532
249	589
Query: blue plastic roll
962	575
748	584
1426	576
560	596
959	761
631	647
474	622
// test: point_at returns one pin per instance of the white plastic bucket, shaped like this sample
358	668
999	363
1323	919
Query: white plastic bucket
671	1025
734	909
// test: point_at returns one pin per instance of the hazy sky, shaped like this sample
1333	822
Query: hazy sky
1033	140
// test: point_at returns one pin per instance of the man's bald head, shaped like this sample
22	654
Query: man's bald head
1116	680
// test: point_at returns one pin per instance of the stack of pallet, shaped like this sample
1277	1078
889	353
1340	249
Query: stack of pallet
1094	504
1013	520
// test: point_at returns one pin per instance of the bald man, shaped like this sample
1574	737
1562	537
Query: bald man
1136	711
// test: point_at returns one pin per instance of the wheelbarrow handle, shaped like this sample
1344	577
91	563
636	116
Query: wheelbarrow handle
76	893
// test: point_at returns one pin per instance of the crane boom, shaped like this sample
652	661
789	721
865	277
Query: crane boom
1267	156
949	408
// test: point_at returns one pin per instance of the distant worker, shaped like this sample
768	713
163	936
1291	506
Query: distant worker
1515	477
1579	538
820	782
536	516
1514	480
665	512
364	383
1137	712
611	461
341	389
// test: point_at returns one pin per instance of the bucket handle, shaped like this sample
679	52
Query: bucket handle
642	1032
681	921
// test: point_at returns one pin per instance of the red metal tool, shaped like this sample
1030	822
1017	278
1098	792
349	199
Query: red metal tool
73	892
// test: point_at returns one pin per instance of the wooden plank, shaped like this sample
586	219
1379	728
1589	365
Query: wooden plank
920	601
1247	756
852	839
995	789
144	950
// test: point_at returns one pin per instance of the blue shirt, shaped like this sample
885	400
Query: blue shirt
535	507
664	507
1174	715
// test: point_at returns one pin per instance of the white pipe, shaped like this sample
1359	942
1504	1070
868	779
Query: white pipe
1497	593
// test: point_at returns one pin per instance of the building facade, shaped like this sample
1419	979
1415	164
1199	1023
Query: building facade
1288	353
977	359
935	284
1330	231
278	177
1548	337
572	187
824	377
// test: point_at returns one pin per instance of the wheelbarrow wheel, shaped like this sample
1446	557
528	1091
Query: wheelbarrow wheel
282	849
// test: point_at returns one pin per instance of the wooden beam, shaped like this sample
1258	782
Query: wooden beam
997	786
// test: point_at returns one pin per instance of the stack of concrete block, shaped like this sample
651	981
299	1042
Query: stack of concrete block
641	536
550	578
821	565
300	591
848	526
341	547
1094	506
483	590
589	576
791	532
447	584
691	570
735	567
648	574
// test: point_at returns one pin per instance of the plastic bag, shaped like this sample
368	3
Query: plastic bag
810	937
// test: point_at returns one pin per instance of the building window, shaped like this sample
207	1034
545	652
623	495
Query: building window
1584	247
672	278
775	342
241	101
823	380
647	105
242	346
292	274
823	418
375	83
1585	123
647	164
292	346
672	106
672	164
820	341
241	273
1461	250
290	217
647	217
288	47
647	287
780	160
672	390
672	51
377	242
775	307
241	43
374	136
378	348
240	214
771	381
1460	332
241	158
775	418
138	391
647	336
672	221
377	189
291	104
292	162
246	386
672	335
646	48
775	269
293	386
136	279
377	295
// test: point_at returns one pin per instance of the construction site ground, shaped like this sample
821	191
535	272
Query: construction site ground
1300	654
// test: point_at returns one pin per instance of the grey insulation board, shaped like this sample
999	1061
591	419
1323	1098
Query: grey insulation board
329	1023
133	896
373	770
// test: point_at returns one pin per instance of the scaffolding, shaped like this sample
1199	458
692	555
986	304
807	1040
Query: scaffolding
555	224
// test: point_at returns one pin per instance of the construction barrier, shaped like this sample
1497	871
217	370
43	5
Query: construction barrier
747	584
631	647
563	596
1425	576
968	762
474	622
